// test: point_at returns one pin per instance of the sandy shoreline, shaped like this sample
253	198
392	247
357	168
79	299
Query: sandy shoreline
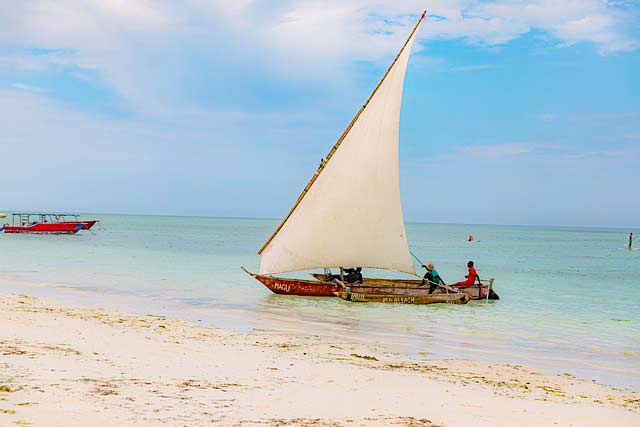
69	366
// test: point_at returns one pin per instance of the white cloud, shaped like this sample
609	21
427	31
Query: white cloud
38	62
28	88
141	48
132	164
534	152
597	28
474	67
526	183
487	151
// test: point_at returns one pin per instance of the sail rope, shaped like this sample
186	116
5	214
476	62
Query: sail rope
417	259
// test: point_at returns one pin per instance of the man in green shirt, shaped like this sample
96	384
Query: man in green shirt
432	277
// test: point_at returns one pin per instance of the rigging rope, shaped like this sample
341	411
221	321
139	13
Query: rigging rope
417	259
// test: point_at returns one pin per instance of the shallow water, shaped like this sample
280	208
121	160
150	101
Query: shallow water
570	297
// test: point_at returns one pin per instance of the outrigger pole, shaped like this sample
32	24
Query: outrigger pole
342	137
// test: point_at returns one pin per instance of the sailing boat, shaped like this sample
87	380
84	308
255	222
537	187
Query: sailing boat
350	212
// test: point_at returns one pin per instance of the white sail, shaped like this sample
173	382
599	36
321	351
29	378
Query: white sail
351	215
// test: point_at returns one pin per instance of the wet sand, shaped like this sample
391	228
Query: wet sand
75	367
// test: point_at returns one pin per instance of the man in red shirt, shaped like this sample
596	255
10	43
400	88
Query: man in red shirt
471	277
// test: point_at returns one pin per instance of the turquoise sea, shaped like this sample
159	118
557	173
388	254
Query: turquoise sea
570	297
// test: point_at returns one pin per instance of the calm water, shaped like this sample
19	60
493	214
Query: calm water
570	297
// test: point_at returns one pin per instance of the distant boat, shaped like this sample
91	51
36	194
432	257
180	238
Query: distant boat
350	212
45	223
2	216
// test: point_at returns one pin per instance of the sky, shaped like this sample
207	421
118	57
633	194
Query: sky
514	112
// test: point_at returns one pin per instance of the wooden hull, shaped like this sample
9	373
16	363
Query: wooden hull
401	289
457	298
300	287
412	286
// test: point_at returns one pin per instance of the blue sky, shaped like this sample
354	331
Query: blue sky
514	112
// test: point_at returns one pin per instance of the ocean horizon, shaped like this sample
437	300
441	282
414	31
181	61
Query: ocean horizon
88	214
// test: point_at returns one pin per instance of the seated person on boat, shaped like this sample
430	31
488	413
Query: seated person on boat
354	275
471	277
432	277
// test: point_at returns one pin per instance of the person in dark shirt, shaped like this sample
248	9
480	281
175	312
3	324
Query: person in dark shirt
354	275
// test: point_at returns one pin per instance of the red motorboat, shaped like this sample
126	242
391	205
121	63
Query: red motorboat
41	223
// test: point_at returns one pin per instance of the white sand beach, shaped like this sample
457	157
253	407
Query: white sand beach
65	366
